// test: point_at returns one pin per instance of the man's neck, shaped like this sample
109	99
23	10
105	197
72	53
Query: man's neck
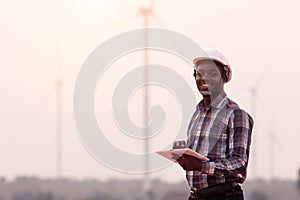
206	100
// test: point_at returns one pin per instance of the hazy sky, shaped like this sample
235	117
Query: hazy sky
260	39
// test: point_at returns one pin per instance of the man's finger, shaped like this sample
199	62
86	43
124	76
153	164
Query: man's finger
181	160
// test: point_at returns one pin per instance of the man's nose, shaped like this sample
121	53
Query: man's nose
204	78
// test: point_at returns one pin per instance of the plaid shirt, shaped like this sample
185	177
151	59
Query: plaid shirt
221	132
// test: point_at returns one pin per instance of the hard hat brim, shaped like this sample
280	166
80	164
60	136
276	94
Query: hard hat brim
196	60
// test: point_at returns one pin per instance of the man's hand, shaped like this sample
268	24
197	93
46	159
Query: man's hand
189	163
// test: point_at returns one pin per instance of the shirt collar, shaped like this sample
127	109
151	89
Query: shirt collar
217	103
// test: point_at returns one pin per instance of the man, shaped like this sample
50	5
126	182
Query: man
219	130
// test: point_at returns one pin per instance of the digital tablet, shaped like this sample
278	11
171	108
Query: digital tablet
176	153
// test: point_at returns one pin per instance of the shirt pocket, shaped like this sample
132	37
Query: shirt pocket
218	144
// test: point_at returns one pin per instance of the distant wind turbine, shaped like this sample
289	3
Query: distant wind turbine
254	96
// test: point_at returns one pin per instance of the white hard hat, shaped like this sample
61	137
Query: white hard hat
216	55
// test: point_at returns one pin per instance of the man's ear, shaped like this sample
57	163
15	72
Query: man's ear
194	74
224	77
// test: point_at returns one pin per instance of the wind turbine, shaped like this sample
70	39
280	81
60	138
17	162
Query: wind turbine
146	12
254	95
57	91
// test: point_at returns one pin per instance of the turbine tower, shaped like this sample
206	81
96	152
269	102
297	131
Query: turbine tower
58	87
145	12
272	149
58	93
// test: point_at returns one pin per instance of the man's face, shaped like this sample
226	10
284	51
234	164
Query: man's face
208	78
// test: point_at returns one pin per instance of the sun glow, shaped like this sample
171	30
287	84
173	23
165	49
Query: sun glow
144	3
